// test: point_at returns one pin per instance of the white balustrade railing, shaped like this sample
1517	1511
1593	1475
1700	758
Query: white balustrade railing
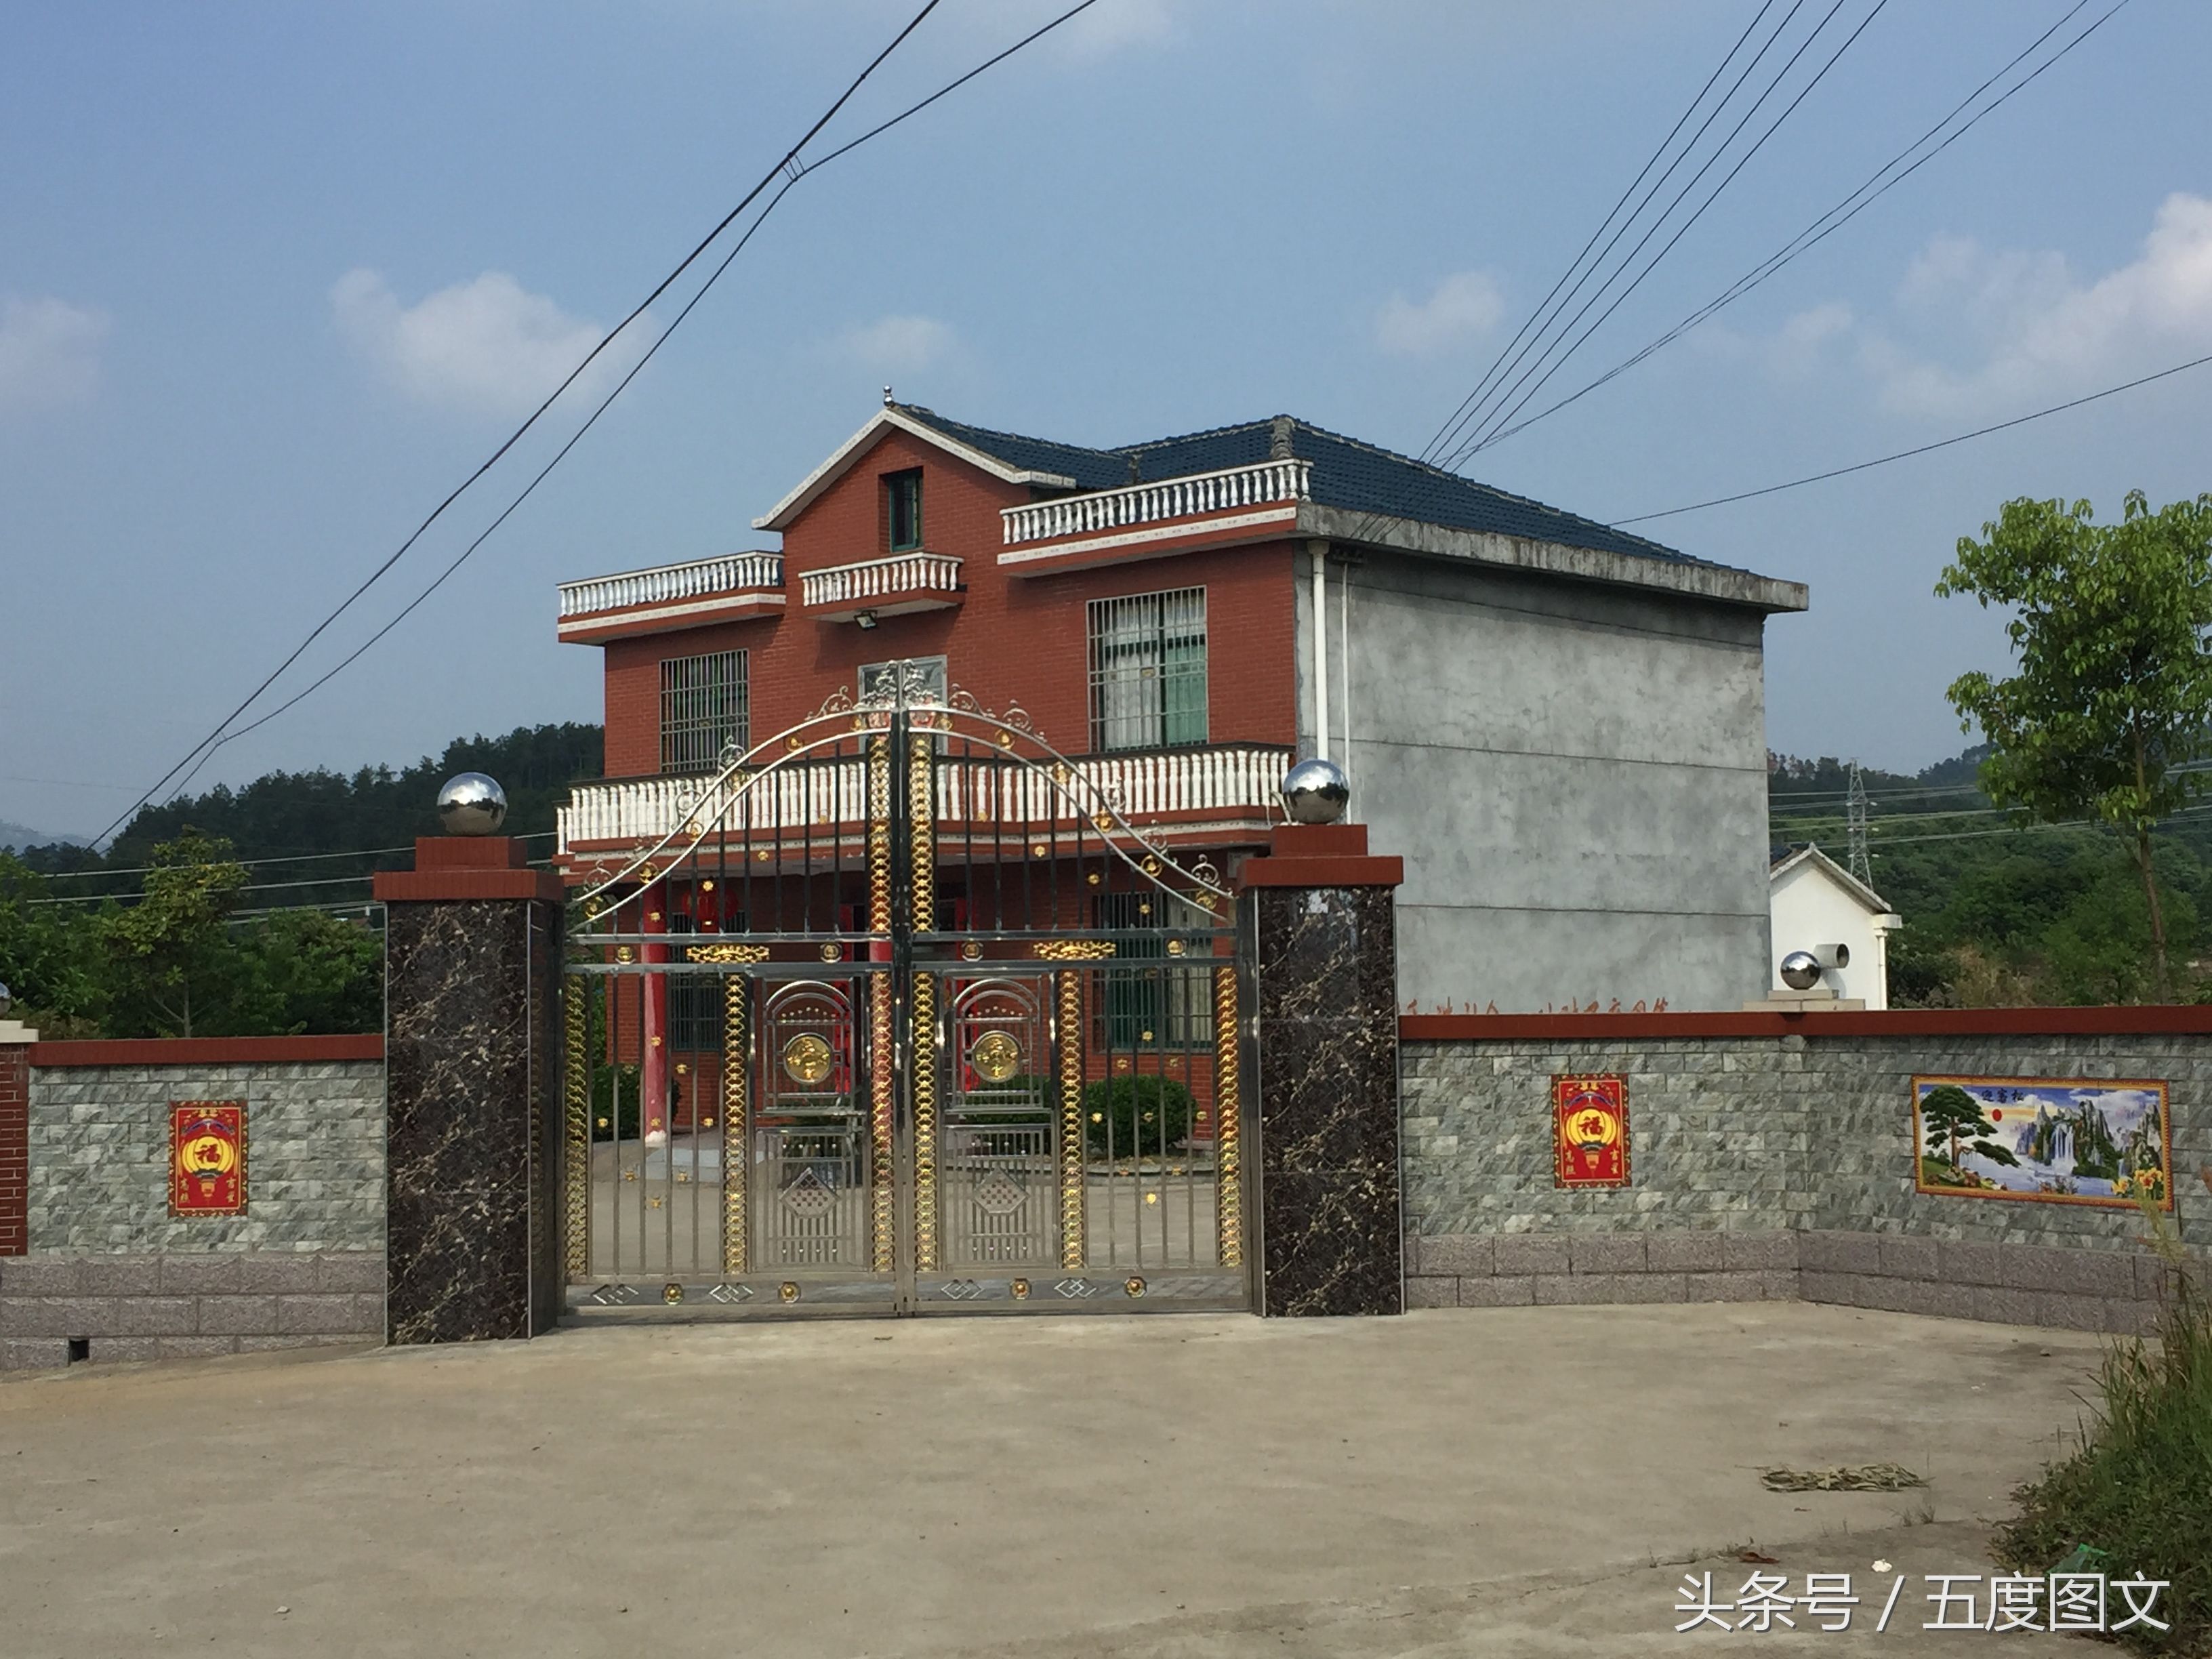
669	583
827	795
1224	491
877	578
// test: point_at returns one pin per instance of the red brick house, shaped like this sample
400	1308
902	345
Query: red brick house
1560	724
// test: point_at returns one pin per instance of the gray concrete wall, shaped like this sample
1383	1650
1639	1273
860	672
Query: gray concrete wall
1575	776
111	1272
1738	1142
100	1157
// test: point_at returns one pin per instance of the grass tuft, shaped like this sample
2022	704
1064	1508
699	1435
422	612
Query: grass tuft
2139	1485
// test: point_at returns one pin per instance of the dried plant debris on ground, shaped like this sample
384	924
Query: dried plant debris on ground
1866	1477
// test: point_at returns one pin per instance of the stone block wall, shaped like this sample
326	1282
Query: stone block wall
106	1272
178	1305
1776	1157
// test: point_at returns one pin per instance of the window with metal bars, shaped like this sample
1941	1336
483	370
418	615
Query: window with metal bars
1146	1007
903	502
1148	669
704	706
694	1001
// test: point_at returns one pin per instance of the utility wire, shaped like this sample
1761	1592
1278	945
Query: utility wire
257	863
1445	432
1920	449
1502	413
1837	216
789	161
796	173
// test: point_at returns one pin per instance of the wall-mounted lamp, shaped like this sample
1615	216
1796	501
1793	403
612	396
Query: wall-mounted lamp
864	618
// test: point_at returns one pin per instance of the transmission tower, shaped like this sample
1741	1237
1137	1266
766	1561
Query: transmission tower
1855	821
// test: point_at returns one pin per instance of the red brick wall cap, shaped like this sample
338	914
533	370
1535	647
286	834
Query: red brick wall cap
207	1051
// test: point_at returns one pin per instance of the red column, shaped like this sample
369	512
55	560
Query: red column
652	903
14	1138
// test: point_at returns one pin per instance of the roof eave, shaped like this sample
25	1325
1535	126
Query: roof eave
1811	855
1718	584
779	516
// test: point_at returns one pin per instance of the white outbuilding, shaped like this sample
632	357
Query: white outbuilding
1819	907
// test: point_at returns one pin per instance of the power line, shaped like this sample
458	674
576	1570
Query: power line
788	159
1843	213
1920	449
1502	414
1445	432
794	177
257	864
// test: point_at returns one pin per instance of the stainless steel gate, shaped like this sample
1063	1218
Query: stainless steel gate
904	1019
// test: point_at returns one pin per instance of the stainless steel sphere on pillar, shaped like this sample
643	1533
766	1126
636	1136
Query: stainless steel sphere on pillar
7	1001
473	804
1316	791
1801	970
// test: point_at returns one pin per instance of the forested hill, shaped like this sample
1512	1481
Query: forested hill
1998	910
371	816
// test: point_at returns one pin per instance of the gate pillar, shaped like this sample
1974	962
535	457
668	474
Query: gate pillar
472	954
1316	916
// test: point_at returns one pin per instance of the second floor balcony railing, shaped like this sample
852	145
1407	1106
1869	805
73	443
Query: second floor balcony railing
670	584
1237	782
902	575
1224	491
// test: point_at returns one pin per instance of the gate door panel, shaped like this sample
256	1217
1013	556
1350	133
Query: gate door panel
998	1163
902	1016
809	1178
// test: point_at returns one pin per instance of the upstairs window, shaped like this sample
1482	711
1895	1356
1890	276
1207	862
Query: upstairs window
1148	671
902	495
704	707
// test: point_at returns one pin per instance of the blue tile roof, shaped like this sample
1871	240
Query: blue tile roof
1347	473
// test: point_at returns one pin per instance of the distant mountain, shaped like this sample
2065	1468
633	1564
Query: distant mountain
17	836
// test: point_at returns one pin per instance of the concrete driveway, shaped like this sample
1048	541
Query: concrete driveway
1521	1480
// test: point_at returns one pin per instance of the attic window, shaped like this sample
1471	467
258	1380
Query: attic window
902	496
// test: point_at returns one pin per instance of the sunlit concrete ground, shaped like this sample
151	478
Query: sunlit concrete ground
1498	1480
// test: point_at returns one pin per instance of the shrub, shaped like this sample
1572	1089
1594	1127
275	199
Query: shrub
605	1123
1145	1115
2139	1488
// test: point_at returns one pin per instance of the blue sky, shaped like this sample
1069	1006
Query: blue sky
275	277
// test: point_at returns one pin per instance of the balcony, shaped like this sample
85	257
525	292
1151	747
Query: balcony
1224	795
1240	503
732	588
882	588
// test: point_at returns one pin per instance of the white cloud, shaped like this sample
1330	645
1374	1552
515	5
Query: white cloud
486	347
2035	330
898	345
49	353
1107	28
1796	351
1113	24
1462	307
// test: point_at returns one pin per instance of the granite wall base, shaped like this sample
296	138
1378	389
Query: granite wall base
56	1309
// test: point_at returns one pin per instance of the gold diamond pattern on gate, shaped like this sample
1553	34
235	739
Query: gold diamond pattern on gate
809	1195
997	1193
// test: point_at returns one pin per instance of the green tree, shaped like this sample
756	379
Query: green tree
302	970
2113	694
174	940
1948	1115
48	956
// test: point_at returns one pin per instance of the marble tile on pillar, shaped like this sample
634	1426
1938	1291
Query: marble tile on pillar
464	1044
1328	1094
1333	1245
